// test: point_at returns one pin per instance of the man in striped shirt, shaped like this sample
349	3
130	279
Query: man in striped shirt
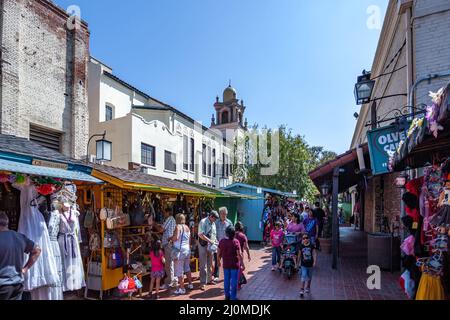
168	230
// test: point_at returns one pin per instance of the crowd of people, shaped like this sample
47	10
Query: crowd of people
221	246
305	225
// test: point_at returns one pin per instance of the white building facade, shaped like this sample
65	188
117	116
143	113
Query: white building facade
153	137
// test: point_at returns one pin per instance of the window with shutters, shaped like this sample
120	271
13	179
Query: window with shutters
46	138
192	162
214	162
185	153
204	159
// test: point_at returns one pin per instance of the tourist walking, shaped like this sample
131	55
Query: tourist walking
230	253
311	227
168	230
221	225
319	214
308	258
13	246
276	239
207	245
181	253
243	241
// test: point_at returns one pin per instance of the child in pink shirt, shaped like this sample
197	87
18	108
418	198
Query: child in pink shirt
276	238
158	261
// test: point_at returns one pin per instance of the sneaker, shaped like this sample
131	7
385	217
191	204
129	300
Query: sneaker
302	293
180	291
216	279
190	286
202	287
307	290
164	287
273	268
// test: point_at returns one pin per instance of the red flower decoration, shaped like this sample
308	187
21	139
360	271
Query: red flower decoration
46	189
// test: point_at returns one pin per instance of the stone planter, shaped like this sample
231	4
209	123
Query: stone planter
325	245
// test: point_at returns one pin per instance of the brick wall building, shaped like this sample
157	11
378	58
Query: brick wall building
43	75
415	40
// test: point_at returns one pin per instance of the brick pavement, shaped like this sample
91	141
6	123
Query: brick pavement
348	282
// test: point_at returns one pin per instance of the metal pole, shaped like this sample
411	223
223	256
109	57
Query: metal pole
334	205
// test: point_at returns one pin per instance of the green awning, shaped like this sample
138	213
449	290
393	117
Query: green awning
12	166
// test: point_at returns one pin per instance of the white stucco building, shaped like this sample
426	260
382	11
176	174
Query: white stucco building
156	138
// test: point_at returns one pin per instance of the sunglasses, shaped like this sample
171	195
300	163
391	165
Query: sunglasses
305	238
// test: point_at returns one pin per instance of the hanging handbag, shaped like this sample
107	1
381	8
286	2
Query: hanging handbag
137	282
105	213
94	242
118	220
88	219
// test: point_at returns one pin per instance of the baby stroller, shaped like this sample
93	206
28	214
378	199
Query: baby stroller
289	254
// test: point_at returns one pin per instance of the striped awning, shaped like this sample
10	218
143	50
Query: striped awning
12	166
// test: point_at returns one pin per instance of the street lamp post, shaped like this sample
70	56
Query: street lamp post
103	148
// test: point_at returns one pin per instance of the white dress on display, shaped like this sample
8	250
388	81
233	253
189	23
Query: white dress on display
69	242
42	279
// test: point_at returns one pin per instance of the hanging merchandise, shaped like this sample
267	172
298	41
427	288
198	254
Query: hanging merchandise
430	288
69	239
42	281
137	215
118	219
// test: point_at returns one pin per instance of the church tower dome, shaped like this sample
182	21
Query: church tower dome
229	94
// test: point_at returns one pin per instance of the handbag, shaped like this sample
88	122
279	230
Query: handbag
105	213
118	220
137	282
115	259
111	240
137	215
89	219
94	242
242	279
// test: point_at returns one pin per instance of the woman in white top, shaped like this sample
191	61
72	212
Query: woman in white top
181	253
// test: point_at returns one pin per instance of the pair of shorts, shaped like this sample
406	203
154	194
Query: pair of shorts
181	266
158	274
306	273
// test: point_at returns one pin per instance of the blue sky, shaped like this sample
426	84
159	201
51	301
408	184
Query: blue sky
294	62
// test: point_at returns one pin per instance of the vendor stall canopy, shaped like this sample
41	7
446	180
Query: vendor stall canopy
347	161
222	193
236	186
24	156
128	179
428	139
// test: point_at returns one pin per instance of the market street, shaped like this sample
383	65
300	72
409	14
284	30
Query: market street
348	282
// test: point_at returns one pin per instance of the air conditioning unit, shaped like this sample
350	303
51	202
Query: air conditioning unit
92	158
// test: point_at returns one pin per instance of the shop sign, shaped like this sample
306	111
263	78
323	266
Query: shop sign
49	164
383	141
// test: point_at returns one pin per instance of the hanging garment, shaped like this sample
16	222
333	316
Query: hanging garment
430	288
69	243
53	230
43	275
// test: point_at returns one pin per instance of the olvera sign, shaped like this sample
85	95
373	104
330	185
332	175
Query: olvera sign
381	141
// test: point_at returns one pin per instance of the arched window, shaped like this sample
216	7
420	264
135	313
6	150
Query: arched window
225	117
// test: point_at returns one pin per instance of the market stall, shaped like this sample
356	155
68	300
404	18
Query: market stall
38	192
125	215
427	201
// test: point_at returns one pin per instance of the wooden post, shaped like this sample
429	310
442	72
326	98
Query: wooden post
334	205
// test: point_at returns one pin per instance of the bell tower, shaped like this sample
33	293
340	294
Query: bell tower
229	114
